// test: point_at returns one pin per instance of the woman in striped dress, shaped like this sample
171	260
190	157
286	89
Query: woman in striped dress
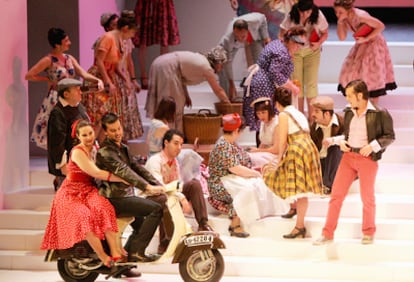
298	174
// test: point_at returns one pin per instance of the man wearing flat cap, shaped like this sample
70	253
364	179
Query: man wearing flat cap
325	127
60	143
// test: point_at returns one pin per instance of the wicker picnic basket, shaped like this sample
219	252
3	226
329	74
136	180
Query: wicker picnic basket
203	125
225	108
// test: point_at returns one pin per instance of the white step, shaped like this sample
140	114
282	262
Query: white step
317	267
348	227
392	179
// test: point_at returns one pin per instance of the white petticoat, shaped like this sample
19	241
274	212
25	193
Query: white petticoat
252	199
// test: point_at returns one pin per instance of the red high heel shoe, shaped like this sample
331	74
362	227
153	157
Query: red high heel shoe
120	259
109	262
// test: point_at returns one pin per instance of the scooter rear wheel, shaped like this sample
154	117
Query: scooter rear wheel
70	272
202	266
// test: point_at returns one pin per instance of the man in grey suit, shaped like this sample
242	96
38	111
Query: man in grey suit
248	31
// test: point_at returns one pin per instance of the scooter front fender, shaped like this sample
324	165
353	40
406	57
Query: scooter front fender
197	241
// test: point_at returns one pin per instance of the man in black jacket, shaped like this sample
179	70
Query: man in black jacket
368	131
114	156
59	128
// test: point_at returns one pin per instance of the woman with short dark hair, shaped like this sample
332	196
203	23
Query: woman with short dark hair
52	68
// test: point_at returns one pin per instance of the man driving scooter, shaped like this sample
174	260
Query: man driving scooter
114	156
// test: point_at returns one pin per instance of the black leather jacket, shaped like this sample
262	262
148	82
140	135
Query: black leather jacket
117	160
379	127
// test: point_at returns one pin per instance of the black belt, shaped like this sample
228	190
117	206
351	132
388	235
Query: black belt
355	150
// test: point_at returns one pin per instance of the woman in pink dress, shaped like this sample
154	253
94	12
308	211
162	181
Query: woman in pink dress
158	26
369	59
78	211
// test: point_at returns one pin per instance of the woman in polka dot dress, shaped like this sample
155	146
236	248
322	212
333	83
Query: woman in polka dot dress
274	68
78	211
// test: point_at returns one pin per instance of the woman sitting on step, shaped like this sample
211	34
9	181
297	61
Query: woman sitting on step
268	148
235	188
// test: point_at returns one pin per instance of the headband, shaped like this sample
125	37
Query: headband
74	125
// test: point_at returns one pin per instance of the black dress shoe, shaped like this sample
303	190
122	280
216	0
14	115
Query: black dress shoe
142	258
297	232
290	214
239	234
130	273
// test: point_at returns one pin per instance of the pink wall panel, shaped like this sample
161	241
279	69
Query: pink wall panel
14	148
90	12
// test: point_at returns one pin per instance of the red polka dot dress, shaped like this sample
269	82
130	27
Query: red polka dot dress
76	210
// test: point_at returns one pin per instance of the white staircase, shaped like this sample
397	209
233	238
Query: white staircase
265	253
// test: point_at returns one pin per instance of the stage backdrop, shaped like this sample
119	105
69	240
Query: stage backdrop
14	152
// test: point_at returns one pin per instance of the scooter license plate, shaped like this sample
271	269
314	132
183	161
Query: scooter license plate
198	240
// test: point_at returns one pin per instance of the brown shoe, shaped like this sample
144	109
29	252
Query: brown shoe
142	257
162	247
205	227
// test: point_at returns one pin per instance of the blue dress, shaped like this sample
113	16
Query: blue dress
276	67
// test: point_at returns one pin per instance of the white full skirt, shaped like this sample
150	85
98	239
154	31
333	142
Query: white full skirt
252	199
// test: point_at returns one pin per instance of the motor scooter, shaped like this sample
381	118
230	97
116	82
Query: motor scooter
197	253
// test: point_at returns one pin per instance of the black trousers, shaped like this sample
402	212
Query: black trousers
147	215
330	165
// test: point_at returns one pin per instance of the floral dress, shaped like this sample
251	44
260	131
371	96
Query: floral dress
76	210
224	156
248	198
98	104
58	70
130	115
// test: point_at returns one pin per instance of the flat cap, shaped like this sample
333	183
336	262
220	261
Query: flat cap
66	83
323	103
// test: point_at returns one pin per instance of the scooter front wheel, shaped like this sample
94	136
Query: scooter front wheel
70	272
202	266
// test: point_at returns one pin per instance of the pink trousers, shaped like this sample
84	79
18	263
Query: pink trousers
352	165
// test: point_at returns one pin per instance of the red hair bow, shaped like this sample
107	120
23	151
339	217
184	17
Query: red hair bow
74	124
